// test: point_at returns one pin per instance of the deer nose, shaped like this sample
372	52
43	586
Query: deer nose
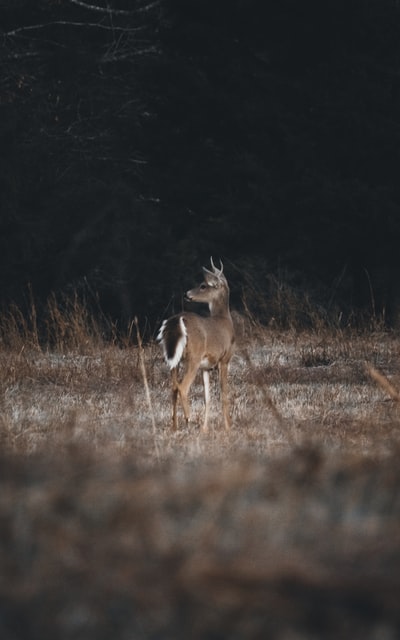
188	295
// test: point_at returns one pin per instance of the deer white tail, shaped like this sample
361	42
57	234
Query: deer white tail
173	338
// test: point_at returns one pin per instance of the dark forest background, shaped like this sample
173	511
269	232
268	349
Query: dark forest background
138	138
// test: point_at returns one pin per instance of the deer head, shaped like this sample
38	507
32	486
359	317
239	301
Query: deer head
213	291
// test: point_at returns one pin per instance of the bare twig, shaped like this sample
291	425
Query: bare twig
115	12
383	382
146	386
94	7
69	23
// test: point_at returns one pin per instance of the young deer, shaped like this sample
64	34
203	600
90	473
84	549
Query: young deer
203	342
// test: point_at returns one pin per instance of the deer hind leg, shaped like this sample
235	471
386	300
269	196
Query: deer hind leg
175	392
183	388
223	377
206	384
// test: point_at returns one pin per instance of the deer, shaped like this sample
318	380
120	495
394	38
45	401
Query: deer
201	343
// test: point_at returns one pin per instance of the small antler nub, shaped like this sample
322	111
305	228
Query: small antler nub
217	272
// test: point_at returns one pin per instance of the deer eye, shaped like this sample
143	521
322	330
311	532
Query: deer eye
203	287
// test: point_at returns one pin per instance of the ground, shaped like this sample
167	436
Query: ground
287	526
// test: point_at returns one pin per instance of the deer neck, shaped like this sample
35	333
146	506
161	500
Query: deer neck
220	307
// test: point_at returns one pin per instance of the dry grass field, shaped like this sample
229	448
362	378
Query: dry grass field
113	526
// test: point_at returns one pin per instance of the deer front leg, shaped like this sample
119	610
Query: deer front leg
206	385
223	376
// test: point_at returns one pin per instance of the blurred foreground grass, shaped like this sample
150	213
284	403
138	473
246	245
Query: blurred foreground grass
304	546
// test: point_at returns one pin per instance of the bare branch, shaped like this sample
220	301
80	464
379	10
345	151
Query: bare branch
95	25
93	7
116	56
147	7
19	56
116	12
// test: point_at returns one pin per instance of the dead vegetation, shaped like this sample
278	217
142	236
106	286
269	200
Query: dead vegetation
111	525
302	546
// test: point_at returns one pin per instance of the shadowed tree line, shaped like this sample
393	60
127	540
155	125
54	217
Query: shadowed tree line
137	138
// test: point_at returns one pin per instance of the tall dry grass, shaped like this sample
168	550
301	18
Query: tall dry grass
80	380
63	325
